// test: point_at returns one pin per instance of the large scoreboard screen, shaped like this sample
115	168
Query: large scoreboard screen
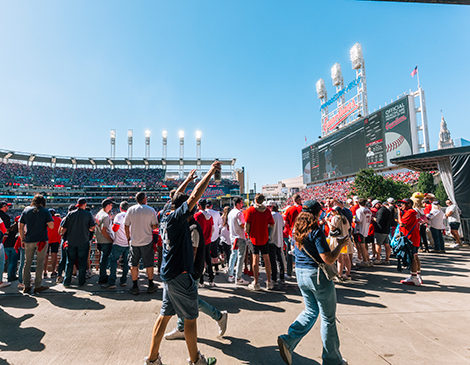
370	142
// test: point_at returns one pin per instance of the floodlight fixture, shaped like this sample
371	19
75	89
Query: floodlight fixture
113	133
147	133
336	75
181	134
130	133
357	58
321	89
164	134
198	134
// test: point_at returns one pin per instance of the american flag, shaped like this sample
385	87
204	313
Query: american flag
414	72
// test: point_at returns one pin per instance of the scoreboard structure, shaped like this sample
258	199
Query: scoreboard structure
369	142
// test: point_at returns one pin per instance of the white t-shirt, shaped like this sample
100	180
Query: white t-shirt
141	218
455	213
217	222
234	219
276	235
120	238
436	217
364	217
225	234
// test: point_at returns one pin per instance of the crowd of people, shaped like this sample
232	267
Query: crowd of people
318	239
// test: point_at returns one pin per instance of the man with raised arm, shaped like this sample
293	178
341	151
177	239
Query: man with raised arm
179	288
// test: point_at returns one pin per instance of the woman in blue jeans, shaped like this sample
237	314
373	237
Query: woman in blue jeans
318	292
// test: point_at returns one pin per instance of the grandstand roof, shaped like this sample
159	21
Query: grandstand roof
428	161
103	161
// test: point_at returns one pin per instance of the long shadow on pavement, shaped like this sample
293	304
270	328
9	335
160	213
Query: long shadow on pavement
16	338
241	350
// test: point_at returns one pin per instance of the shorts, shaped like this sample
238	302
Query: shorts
141	252
358	238
414	250
369	239
264	249
180	297
454	225
382	239
53	247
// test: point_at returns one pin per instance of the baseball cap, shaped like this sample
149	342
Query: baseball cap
52	211
349	201
375	202
406	201
391	200
17	218
81	201
355	198
107	202
4	204
311	206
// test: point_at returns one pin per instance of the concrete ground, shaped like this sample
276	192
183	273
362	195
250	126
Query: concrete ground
380	321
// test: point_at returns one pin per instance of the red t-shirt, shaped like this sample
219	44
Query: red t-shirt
206	225
410	220
259	222
291	215
427	209
53	234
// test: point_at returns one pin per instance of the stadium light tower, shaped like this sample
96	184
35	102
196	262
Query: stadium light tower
338	81
164	142
130	137
198	151
181	135
358	64
113	143
323	96
147	143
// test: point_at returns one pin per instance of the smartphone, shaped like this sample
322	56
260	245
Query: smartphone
218	174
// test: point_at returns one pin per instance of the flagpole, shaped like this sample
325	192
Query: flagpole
417	74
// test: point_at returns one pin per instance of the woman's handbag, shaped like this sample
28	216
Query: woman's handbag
330	271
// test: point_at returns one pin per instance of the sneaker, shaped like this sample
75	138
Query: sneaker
60	279
200	285
285	353
40	289
346	277
5	284
222	323
254	286
175	334
27	289
152	289
45	275
231	279
21	286
89	274
370	264
212	284
108	286
269	285
420	278
203	361
158	361
53	275
385	262
411	280
455	245
134	291
363	264
344	362
242	281
377	262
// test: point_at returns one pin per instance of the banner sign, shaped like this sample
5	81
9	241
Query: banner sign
212	192
343	91
343	112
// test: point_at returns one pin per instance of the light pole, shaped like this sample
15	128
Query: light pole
164	142
147	143
181	135
130	134
323	96
113	143
358	64
198	151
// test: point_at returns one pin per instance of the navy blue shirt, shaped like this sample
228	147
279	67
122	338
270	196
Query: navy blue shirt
36	220
78	223
177	245
315	243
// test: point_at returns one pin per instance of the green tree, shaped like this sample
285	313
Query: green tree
426	183
440	193
368	183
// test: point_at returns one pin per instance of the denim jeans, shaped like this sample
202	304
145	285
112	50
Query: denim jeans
438	239
105	249
287	241
319	299
2	261
204	307
75	253
20	270
116	252
13	258
239	257
63	260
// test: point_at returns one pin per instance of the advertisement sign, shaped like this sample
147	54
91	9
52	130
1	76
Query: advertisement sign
212	192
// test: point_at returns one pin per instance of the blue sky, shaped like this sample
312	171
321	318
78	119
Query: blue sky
243	72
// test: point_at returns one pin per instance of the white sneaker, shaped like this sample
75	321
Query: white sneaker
5	284
455	245
377	262
21	286
411	280
222	323
158	361
200	285
175	334
231	279
203	361
254	286
211	283
269	285
242	281
420	278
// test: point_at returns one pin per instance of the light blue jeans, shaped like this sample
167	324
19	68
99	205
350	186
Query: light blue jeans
20	270
237	256
2	261
318	300
204	307
116	252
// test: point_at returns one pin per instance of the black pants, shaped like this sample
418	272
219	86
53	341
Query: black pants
275	258
208	260
215	251
424	238
227	249
80	254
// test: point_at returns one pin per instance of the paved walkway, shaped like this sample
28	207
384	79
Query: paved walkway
380	321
